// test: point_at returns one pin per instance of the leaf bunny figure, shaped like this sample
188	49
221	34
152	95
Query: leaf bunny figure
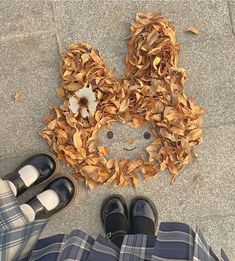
149	96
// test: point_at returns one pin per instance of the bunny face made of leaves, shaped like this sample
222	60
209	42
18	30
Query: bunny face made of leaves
150	95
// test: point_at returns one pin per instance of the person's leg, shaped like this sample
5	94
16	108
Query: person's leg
116	228
17	236
114	217
11	215
143	216
140	241
28	212
23	224
49	199
32	171
55	197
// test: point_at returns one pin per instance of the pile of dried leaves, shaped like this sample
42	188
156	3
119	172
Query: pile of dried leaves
151	90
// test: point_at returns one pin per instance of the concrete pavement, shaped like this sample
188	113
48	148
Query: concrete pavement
33	33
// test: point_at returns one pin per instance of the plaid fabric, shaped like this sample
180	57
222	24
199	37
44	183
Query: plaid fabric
74	246
137	247
17	237
174	241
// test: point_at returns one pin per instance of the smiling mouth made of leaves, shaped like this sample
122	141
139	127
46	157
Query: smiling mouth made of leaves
129	149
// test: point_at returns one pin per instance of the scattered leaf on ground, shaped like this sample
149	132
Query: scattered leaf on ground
17	96
193	30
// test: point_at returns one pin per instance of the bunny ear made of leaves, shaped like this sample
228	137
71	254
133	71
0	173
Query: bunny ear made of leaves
81	66
152	61
85	83
153	51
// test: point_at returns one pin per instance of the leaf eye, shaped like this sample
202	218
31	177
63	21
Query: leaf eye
147	135
109	135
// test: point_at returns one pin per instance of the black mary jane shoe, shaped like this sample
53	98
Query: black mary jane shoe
46	164
66	189
143	216
114	216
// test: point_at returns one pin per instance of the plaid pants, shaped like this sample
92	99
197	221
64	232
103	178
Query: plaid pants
19	240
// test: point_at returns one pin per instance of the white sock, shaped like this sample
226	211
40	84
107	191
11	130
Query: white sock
29	174
28	212
13	187
49	199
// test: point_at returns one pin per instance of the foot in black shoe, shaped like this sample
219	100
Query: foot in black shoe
143	216
114	218
32	171
55	197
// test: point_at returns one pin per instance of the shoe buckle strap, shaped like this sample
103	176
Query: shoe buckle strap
108	235
114	234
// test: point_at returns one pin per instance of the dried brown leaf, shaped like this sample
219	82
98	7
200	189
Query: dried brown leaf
156	61
48	119
77	140
135	182
60	92
90	185
193	30
103	150
124	105
73	86
52	124
17	96
194	135
110	164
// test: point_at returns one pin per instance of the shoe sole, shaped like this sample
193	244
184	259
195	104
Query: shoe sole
121	198
153	207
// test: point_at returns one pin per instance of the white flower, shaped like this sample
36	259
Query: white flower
84	101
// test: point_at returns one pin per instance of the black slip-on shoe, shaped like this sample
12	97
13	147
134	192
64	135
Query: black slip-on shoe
46	164
114	216
66	189
143	216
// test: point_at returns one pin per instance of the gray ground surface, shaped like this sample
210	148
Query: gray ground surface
32	33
